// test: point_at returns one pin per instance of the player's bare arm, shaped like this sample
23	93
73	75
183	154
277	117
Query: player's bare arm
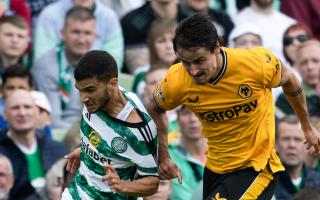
295	95
167	168
73	161
144	186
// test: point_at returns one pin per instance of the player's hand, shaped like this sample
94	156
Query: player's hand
113	179
313	141
169	170
73	160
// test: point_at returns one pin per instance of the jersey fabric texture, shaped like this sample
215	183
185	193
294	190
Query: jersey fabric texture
236	109
131	148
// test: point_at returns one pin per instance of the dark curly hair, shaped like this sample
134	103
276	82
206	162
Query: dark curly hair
96	64
196	31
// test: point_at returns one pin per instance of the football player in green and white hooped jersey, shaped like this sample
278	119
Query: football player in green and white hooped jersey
117	158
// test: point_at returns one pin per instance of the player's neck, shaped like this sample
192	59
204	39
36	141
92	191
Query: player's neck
116	103
219	65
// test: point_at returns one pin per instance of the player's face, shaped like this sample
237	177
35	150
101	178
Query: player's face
200	63
13	40
94	94
78	36
290	144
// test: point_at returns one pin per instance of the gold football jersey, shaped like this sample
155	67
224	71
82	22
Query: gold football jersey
236	109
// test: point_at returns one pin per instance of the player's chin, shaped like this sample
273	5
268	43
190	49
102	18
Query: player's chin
199	81
91	109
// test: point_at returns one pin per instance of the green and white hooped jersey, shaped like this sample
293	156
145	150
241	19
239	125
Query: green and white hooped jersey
131	148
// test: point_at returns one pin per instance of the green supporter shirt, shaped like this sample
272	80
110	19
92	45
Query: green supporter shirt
36	172
191	170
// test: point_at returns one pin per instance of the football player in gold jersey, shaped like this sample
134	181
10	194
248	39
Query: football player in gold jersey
230	92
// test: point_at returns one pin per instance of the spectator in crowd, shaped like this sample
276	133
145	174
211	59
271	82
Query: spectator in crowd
292	38
304	11
189	154
53	71
245	36
107	28
31	156
16	8
270	22
161	54
308	194
221	20
13	78
57	178
6	177
291	150
36	6
122	7
163	193
137	23
44	112
308	65
14	39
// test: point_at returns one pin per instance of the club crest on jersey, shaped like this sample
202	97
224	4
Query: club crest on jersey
245	91
119	145
94	138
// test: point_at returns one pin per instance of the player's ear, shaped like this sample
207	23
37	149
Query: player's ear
218	45
113	81
217	48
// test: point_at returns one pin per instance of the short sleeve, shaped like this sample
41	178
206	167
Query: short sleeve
271	67
166	92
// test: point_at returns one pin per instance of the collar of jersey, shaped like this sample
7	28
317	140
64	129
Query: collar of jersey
222	70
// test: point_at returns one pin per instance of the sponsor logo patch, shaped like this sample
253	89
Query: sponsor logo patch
94	138
230	113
